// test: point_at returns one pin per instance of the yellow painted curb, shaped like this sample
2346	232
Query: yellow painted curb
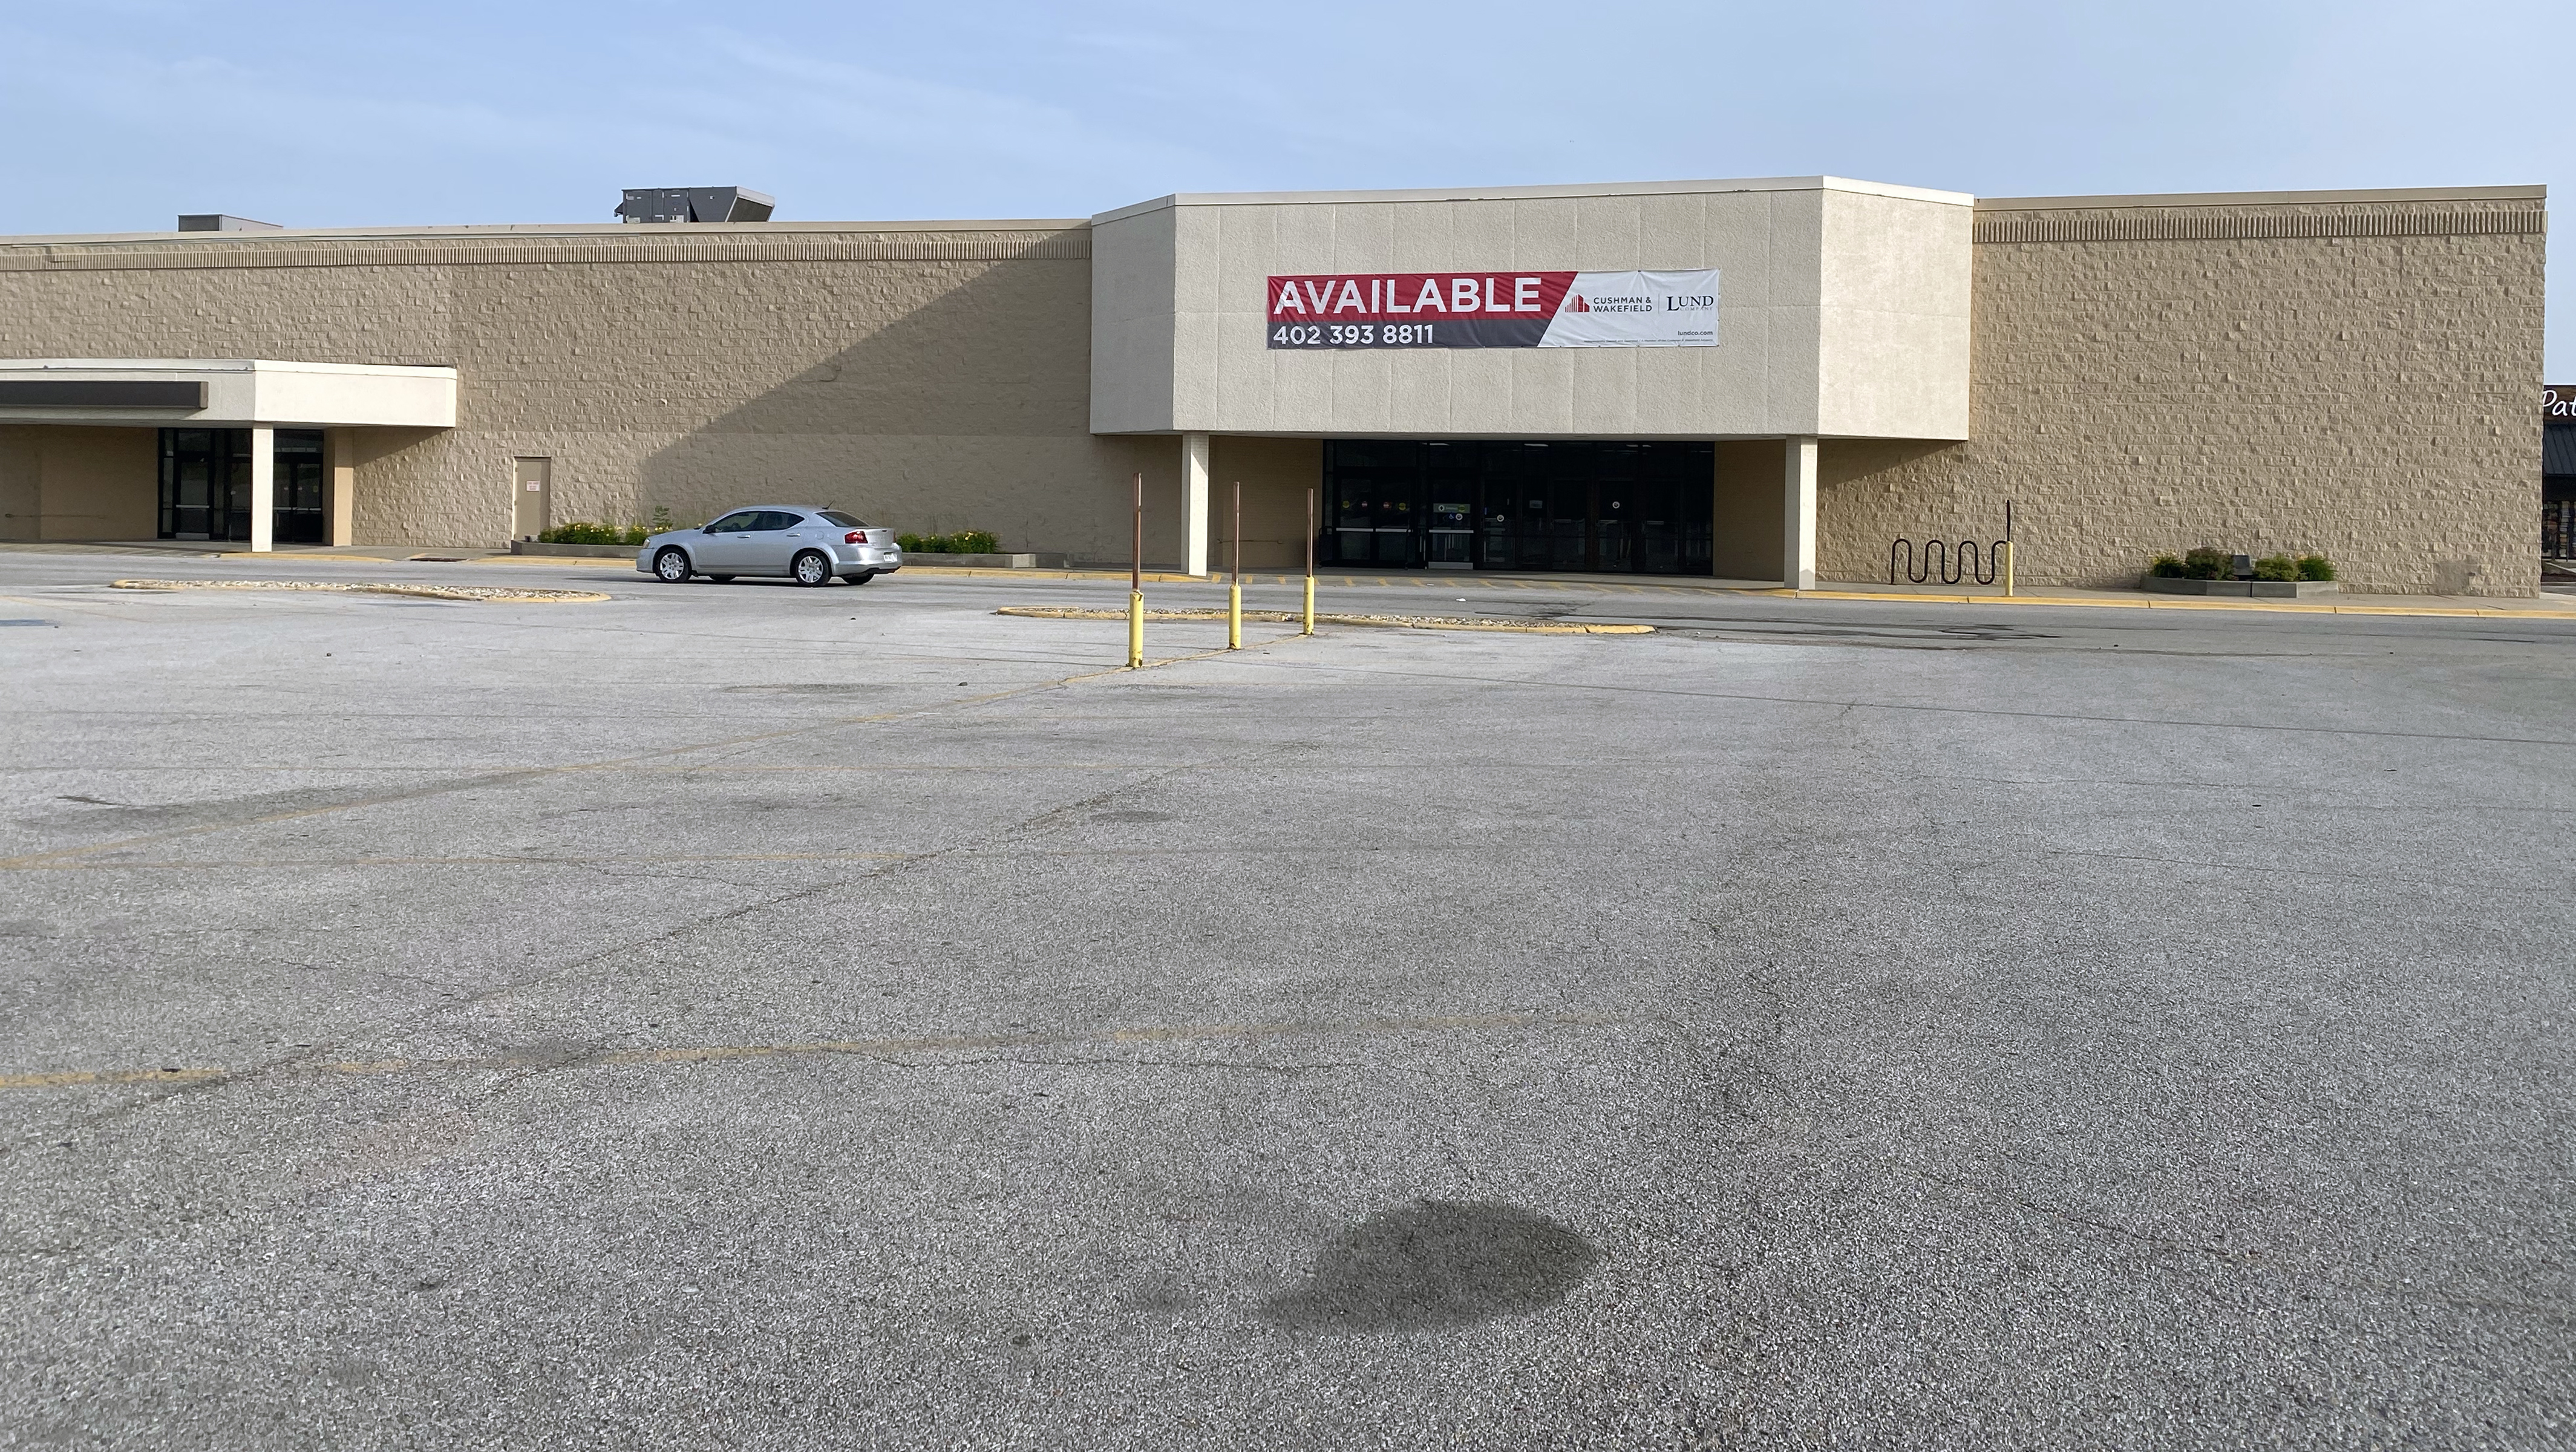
951	572
1287	617
298	557
2285	606
488	594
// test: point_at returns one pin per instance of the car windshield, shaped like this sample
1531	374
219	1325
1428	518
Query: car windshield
834	516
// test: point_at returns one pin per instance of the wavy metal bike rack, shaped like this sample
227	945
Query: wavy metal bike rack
1968	562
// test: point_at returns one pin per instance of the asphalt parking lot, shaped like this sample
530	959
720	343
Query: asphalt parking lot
757	1017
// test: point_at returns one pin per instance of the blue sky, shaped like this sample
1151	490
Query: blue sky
123	113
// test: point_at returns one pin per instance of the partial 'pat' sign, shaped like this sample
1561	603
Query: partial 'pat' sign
1494	310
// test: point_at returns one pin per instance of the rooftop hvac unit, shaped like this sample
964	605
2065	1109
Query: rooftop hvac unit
695	204
222	222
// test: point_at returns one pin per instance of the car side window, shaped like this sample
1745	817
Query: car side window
739	522
780	519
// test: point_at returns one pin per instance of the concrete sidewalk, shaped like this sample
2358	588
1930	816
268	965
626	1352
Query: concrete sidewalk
2546	604
2549	604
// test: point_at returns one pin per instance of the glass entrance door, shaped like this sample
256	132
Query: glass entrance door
1375	494
205	484
301	515
1616	506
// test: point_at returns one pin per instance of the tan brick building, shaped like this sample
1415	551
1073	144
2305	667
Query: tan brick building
1757	379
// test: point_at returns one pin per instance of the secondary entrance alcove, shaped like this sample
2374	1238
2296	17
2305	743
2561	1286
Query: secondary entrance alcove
206	486
1605	506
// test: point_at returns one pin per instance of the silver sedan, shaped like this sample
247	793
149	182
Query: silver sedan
807	544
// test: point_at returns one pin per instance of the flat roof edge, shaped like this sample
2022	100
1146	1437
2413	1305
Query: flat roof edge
543	229
1530	193
2259	199
221	365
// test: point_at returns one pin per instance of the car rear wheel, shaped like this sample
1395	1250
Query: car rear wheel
811	569
671	567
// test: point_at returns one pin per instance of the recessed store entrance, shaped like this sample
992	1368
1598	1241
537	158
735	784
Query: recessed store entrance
1613	507
205	483
205	486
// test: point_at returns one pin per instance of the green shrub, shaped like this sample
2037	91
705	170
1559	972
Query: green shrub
2315	567
963	542
583	532
662	523
2208	564
2276	567
2167	567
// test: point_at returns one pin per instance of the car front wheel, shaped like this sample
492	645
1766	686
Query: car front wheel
671	567
811	569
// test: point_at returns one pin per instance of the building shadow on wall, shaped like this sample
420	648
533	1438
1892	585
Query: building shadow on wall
967	409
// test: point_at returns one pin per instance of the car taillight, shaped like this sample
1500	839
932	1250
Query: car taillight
856	536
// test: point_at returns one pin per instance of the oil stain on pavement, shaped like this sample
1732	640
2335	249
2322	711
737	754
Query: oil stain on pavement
1432	1265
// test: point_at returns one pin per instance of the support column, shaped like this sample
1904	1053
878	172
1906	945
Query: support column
1194	503
1798	513
263	490
340	466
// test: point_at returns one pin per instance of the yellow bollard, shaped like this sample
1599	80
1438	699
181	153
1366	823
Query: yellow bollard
1234	617
1136	585
2008	563
1310	564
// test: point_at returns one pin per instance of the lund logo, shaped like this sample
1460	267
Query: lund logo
1688	304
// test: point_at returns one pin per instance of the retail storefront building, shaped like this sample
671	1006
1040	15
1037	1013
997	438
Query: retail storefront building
1759	380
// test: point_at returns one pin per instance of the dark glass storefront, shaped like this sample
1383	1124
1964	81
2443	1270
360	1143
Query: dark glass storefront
300	517
205	486
1622	508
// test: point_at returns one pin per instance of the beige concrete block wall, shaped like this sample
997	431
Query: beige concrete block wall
1276	475
79	483
2348	376
1745	538
931	378
22	483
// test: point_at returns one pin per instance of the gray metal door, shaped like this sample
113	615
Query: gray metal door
531	497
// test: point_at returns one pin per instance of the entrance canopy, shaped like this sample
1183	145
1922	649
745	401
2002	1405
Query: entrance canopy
249	449
224	393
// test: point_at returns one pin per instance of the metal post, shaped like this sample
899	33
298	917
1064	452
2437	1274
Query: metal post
2008	548
1136	585
1310	564
1234	592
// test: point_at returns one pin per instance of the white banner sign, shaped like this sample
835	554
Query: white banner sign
1494	310
1636	310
